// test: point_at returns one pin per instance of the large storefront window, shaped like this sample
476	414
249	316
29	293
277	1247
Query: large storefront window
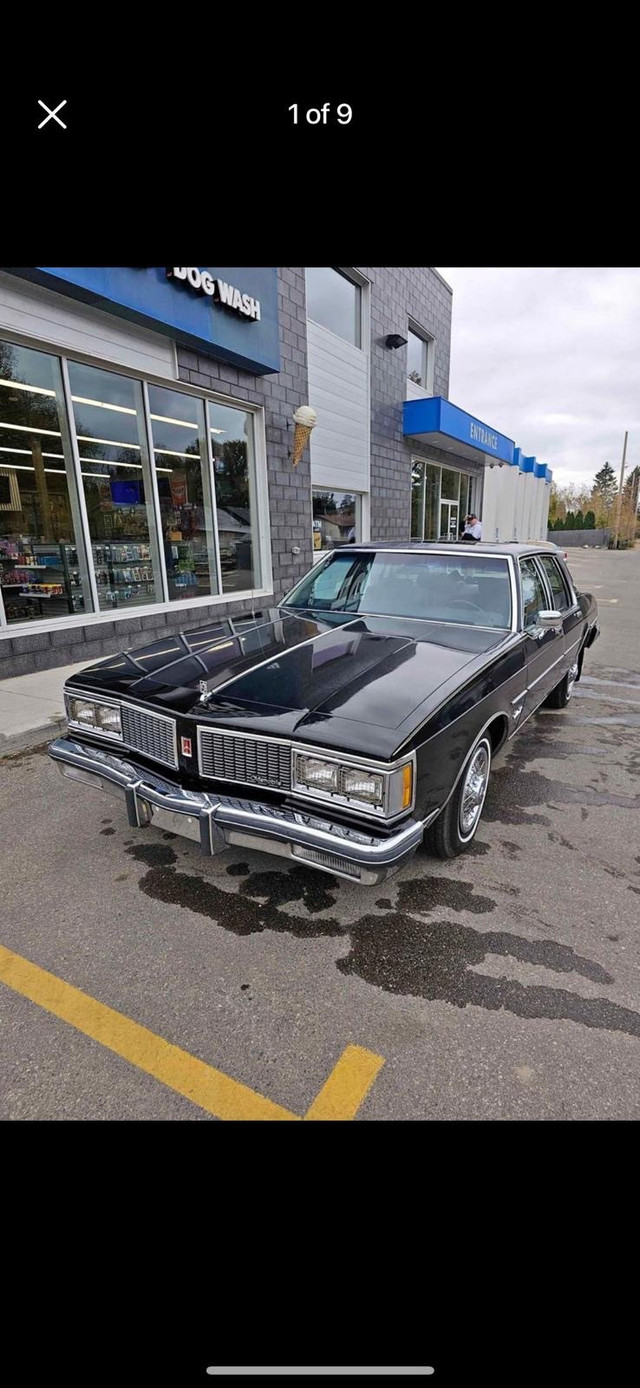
116	474
116	494
43	566
184	492
232	447
336	519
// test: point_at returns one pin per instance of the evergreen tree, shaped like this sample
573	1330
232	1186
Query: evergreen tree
605	484
579	521
569	521
590	521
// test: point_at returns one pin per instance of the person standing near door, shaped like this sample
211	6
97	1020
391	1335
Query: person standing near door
472	529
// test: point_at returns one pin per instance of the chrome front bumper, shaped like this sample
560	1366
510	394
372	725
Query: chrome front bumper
217	822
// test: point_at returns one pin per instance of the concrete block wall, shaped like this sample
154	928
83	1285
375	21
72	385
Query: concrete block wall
399	293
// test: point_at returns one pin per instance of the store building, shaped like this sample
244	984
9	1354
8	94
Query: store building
146	439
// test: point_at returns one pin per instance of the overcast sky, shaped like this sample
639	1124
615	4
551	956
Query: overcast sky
552	359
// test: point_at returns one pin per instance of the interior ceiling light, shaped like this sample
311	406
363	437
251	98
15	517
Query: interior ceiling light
171	453
102	404
19	385
111	443
31	429
166	419
27	452
23	467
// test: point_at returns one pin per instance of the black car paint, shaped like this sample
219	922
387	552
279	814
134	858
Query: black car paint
374	687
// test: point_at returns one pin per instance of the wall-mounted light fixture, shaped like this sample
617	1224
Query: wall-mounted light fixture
394	340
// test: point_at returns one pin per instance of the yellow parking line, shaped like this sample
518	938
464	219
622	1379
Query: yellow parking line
202	1084
347	1085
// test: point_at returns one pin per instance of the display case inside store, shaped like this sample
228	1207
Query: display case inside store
39	580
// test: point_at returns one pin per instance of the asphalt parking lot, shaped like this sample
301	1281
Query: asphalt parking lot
502	985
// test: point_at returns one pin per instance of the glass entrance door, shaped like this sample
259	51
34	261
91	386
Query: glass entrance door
449	511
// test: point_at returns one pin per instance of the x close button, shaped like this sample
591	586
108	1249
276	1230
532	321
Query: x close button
52	115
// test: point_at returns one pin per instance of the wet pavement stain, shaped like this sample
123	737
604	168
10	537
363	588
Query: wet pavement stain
153	854
167	835
299	884
107	831
512	850
238	870
564	843
401	952
236	911
435	960
513	790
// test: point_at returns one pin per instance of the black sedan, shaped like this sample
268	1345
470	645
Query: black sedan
350	724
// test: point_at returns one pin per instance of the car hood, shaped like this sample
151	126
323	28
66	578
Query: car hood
289	675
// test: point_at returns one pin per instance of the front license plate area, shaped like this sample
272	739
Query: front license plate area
188	826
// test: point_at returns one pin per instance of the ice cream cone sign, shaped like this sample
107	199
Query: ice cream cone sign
305	419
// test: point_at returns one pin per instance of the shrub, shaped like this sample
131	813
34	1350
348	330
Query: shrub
590	521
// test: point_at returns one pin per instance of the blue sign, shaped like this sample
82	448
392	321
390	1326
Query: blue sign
435	415
227	313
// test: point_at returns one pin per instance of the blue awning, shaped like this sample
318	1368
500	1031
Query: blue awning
434	420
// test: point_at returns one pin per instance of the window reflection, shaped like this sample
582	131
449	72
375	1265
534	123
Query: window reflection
186	512
234	474
336	519
43	567
116	475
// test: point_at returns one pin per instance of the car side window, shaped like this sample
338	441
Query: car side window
556	582
534	598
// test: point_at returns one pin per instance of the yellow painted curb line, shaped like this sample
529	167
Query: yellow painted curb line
212	1090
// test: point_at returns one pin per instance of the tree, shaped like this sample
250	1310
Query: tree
590	521
629	505
605	482
232	475
569	521
579	521
603	495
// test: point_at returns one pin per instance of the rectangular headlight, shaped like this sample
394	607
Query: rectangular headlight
90	713
363	785
108	719
81	711
317	774
371	789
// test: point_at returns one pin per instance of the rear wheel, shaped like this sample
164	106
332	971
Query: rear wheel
560	696
453	830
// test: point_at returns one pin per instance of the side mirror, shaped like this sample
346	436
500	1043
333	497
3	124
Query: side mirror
548	620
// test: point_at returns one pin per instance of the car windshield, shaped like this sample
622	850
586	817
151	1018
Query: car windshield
471	589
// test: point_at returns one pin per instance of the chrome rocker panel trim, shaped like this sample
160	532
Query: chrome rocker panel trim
218	822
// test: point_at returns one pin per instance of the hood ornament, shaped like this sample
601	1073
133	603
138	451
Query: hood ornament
204	691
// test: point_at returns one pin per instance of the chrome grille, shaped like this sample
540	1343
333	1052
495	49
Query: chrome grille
252	761
151	733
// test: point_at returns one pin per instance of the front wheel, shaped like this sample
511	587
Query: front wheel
560	696
452	832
